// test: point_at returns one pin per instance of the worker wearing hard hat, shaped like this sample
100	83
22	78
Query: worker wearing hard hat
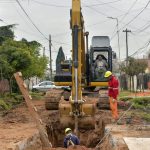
113	92
70	139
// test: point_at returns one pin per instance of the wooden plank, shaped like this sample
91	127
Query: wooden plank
33	111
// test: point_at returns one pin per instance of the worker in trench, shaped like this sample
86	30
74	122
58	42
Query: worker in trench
70	138
113	92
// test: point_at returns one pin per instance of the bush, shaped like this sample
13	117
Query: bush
141	103
4	105
125	99
146	116
37	96
10	100
138	102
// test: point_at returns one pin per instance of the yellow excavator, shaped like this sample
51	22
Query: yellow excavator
79	74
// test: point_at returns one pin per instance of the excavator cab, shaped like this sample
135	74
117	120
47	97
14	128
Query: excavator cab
100	58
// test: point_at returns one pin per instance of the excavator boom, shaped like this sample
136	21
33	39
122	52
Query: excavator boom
77	26
77	111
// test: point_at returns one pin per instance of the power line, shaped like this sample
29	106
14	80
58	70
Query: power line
137	14
64	6
139	50
60	34
103	3
36	26
88	6
29	33
48	4
103	14
117	16
124	11
132	18
26	22
143	28
63	43
31	19
113	7
9	1
134	3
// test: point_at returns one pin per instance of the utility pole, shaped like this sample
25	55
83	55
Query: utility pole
117	34
50	57
127	31
43	51
118	37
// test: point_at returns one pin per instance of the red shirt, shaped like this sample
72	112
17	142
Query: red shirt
113	85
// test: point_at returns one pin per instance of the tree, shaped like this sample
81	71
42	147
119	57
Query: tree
21	56
15	56
34	46
6	32
38	63
133	68
60	58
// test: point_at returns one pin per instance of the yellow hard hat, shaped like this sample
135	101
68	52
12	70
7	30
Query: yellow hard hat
107	74
67	129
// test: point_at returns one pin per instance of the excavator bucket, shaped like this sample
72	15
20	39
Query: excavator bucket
85	121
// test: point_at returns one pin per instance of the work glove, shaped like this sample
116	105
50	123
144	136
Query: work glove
113	100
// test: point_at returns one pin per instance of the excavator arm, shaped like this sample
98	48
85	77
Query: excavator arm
78	50
77	113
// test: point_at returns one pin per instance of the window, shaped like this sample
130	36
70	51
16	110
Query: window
103	53
42	84
49	83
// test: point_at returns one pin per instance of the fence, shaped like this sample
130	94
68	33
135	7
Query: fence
4	86
142	81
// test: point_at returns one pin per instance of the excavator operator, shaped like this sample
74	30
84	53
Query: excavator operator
100	66
70	139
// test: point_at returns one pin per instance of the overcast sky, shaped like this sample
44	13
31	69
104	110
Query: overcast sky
52	17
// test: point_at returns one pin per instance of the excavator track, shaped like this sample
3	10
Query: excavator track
103	101
53	96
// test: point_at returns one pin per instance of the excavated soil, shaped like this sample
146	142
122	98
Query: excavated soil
17	125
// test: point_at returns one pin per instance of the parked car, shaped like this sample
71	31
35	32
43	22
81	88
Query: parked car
45	86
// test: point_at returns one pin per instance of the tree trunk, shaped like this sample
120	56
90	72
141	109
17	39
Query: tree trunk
137	83
142	82
133	83
28	82
130	84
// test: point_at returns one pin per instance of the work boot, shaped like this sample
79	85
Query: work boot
113	121
128	120
119	122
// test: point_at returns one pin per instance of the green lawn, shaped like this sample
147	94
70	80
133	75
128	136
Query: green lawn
124	93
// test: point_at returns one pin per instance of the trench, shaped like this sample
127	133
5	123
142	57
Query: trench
88	138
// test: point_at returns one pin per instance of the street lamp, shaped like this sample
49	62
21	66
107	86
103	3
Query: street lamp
117	33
